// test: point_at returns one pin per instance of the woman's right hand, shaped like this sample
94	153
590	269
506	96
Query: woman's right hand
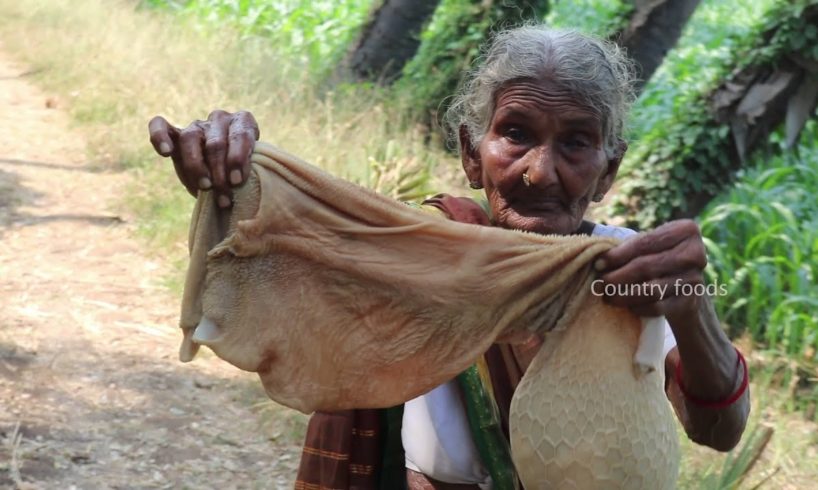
212	154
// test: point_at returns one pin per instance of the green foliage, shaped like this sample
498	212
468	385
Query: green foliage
449	45
762	241
602	18
680	150
703	56
313	33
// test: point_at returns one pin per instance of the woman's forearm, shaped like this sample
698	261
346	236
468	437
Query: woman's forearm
709	371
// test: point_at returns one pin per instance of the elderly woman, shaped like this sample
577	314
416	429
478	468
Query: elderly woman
540	130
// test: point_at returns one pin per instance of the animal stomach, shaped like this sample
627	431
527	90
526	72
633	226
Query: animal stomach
585	416
340	298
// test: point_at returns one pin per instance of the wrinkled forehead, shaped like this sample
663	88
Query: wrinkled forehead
544	95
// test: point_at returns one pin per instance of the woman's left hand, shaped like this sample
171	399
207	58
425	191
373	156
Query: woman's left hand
659	273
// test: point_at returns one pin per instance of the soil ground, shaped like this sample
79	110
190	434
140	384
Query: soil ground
92	394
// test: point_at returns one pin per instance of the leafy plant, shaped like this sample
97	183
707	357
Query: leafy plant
762	242
599	17
313	33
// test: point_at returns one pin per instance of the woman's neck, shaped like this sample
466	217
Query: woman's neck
585	228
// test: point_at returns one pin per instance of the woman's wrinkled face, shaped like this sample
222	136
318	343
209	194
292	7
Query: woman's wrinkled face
544	131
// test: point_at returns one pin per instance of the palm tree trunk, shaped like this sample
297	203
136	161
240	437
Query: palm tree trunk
653	29
389	40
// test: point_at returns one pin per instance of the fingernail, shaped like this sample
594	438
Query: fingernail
204	183
224	202
599	264
235	177
164	148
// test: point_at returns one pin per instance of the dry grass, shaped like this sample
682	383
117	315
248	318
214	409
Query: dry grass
115	67
13	448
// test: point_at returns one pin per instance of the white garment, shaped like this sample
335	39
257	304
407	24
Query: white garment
437	439
436	435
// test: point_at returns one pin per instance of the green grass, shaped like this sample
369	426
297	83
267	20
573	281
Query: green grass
762	241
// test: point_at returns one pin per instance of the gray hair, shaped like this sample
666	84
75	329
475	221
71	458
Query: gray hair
597	71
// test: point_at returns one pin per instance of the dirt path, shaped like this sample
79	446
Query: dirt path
91	392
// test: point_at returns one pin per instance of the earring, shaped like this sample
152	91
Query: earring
526	180
598	197
475	185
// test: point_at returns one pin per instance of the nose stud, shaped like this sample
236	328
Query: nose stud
526	180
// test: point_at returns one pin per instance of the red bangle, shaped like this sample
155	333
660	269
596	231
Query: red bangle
719	403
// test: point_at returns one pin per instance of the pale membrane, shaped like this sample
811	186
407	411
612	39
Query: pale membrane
341	298
586	416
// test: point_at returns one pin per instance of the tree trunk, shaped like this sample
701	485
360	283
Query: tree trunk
775	83
653	29
389	40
